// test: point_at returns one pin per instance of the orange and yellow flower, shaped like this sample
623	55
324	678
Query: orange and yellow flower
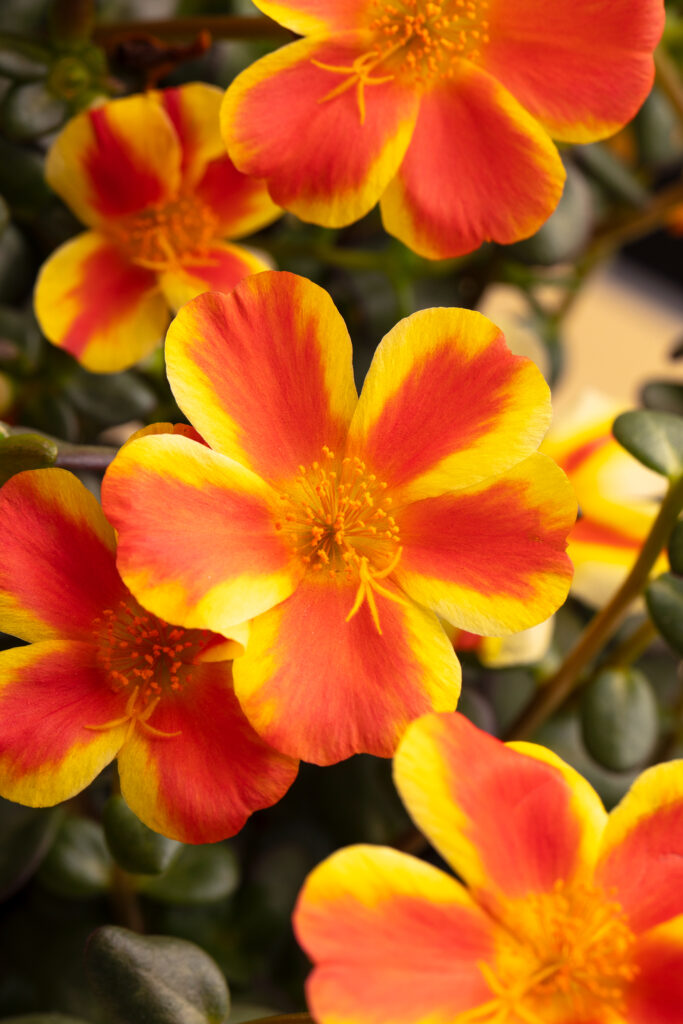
149	175
343	526
102	678
570	916
618	501
618	497
441	109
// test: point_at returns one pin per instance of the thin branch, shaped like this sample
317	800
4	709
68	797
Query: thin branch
555	690
226	26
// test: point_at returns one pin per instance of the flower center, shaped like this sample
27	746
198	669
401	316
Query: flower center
339	524
161	236
426	37
573	952
419	41
145	658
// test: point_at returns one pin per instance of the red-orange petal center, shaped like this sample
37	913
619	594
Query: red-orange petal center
338	515
145	658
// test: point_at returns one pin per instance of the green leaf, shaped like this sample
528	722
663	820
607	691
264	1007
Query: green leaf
620	718
110	398
135	847
199	874
605	168
664	396
79	864
25	451
155	979
654	438
676	549
22	59
664	597
27	835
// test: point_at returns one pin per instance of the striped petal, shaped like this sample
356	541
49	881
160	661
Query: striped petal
50	694
197	541
641	851
201	785
655	995
510	819
392	939
283	119
446	404
240	204
602	555
321	689
581	67
491	559
308	16
217	268
479	168
116	159
264	373
104	310
193	110
57	557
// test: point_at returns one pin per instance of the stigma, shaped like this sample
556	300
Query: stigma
338	520
146	660
163	236
571	950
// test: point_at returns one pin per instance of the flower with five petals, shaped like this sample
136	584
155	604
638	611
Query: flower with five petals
343	526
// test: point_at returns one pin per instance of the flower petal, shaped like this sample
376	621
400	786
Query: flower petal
655	995
281	122
217	268
602	555
57	559
264	373
116	159
307	16
201	786
50	693
510	819
491	559
641	851
391	938
104	310
446	404
197	540
582	68
321	688
240	204
478	168
193	110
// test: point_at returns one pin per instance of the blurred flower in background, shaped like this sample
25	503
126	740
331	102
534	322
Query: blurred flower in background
150	176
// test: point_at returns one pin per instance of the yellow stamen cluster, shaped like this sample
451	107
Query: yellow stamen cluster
339	523
572	952
415	40
427	37
144	657
162	236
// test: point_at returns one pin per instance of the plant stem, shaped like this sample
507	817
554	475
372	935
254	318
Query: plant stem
669	80
556	689
635	644
226	26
